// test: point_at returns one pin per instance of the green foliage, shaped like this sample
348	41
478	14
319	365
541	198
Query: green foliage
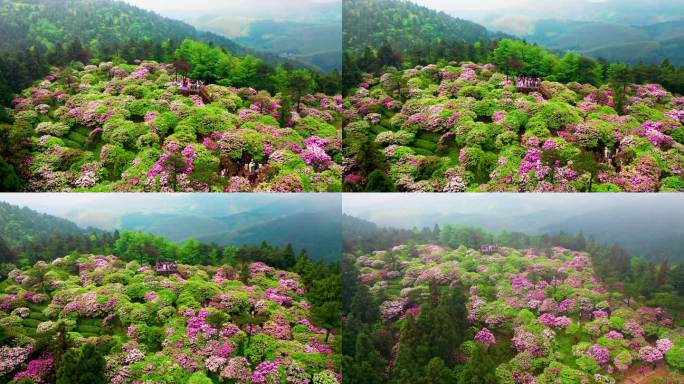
85	365
517	57
457	235
480	367
199	378
379	182
260	347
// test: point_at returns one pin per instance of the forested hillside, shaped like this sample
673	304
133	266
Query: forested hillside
399	34
406	25
124	127
460	309
104	318
458	127
38	34
27	236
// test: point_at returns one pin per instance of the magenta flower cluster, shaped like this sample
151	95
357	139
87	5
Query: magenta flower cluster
486	337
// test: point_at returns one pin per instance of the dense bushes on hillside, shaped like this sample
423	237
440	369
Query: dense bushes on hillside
126	128
125	323
38	34
467	127
401	34
427	313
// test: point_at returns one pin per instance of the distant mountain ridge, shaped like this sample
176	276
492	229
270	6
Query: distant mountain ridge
315	45
613	41
305	31
661	239
317	231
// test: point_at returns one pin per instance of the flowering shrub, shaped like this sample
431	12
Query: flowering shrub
600	354
12	357
135	131
465	128
169	327
486	337
650	354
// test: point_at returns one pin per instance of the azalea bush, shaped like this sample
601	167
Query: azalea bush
458	127
128	128
200	324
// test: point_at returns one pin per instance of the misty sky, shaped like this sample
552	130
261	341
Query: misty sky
103	210
498	5
249	8
402	209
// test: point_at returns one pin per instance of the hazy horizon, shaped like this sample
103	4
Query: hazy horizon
236	9
245	5
408	210
104	210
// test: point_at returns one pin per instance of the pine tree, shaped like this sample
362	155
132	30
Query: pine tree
244	274
288	256
299	83
363	306
410	354
480	367
7	255
367	365
663	273
82	366
387	57
437	372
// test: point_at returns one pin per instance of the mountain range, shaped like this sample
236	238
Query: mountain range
632	44
305	31
631	31
315	227
653	231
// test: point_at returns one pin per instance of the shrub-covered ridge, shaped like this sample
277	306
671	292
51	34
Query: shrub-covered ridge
127	128
201	322
466	127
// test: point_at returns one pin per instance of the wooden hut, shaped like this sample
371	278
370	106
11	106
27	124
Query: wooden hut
489	249
188	87
166	268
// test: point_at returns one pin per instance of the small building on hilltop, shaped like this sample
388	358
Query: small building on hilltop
489	249
166	268
187	87
527	84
